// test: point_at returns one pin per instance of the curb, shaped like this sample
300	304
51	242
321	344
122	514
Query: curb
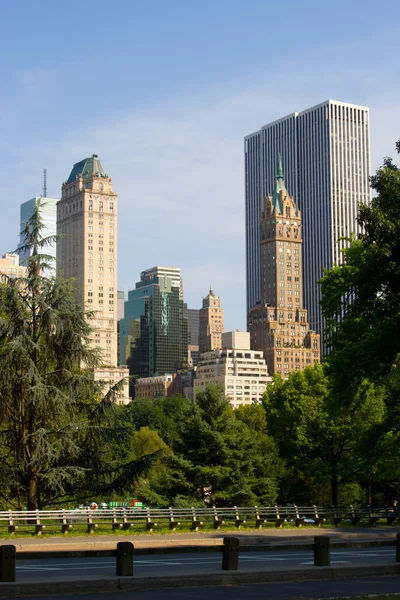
86	585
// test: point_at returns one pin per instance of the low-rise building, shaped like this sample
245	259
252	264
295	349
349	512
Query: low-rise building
10	267
111	376
160	386
240	371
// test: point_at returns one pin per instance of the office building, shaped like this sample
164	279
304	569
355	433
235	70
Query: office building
48	213
153	332
211	324
120	315
326	158
242	373
87	251
279	324
193	318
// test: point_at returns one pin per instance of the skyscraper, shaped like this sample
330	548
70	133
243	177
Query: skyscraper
279	325
326	159
211	323
193	317
48	213
153	332
87	251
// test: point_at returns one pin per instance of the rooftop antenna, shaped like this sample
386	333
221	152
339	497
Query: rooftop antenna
44	195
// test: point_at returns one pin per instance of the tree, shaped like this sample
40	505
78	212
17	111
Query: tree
361	297
323	439
221	455
53	416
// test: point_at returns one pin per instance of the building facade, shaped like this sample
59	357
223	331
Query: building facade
153	332
326	157
193	320
87	232
48	213
241	372
10	267
279	324
211	325
161	386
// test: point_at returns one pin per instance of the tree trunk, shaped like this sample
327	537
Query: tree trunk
335	488
32	492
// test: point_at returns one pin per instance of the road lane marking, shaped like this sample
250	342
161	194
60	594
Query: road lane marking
333	562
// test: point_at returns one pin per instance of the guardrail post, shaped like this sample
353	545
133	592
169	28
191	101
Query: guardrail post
322	551
125	559
7	563
230	554
397	547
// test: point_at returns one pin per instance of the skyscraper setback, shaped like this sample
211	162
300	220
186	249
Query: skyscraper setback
87	251
326	160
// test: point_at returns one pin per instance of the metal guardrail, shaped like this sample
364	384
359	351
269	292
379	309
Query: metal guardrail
151	518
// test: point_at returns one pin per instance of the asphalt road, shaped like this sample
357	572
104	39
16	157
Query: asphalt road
278	591
186	564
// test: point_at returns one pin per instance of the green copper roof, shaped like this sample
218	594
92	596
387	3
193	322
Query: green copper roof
279	186
88	167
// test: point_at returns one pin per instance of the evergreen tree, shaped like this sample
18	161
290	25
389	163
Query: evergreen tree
52	414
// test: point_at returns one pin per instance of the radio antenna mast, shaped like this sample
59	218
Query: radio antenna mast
44	195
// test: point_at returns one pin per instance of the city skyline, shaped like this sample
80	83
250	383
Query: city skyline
171	132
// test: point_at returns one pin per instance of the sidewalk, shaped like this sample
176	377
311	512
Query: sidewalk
266	537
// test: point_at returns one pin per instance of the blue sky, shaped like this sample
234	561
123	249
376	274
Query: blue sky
164	92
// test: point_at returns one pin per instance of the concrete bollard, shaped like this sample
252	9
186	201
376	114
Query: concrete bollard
7	563
322	551
397	547
230	554
125	559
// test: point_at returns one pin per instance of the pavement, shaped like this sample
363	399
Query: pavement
251	571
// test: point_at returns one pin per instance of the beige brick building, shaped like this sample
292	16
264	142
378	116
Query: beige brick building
211	324
279	325
87	251
241	372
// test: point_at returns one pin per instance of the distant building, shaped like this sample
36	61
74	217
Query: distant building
10	267
48	213
120	315
326	155
279	324
161	386
193	317
87	251
153	331
241	372
211	323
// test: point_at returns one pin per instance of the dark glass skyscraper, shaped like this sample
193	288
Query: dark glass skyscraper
153	332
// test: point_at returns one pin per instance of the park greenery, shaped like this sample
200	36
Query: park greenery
327	435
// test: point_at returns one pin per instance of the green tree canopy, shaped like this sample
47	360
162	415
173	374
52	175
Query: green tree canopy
361	297
324	440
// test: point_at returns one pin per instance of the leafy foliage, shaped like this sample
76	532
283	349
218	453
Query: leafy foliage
324	440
